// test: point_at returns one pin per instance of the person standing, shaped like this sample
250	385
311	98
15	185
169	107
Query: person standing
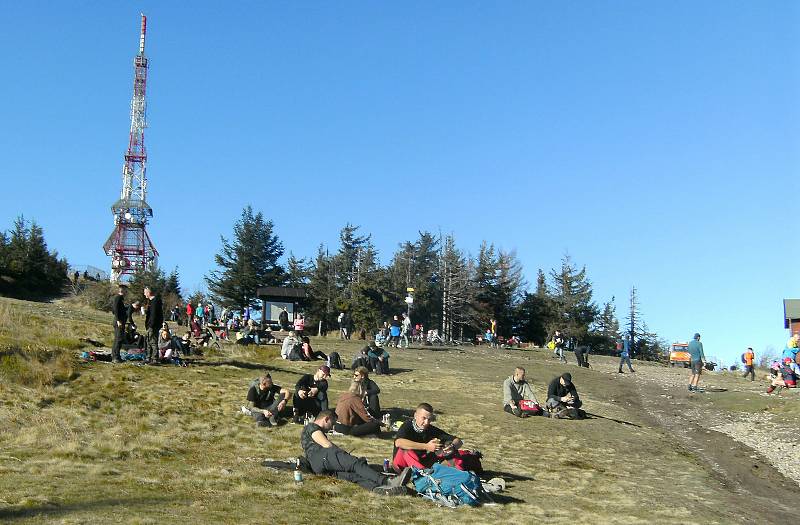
342	326
120	317
625	354
406	328
154	318
697	357
749	368
283	319
189	313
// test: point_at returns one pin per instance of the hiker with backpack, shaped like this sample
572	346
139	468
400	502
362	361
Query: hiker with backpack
417	442
747	360
326	458
371	391
311	394
351	414
518	397
562	397
267	400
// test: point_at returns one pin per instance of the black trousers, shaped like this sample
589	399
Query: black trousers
119	336
311	406
363	429
344	466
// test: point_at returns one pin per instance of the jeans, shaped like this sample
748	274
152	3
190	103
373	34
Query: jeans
625	359
750	370
311	406
344	466
152	344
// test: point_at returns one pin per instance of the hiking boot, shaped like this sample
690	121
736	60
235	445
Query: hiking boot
273	421
620	371
517	411
401	479
386	490
691	388
246	411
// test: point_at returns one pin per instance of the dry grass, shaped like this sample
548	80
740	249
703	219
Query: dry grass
134	444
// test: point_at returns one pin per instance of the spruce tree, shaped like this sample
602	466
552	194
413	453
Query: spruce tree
28	269
297	272
322	291
573	308
249	261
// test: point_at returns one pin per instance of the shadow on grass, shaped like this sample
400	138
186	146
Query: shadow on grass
589	415
245	365
488	474
55	510
394	371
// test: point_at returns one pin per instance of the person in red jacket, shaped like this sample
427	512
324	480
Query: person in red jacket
189	312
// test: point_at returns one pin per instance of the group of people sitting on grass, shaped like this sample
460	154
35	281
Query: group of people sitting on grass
785	372
562	397
373	357
417	442
296	348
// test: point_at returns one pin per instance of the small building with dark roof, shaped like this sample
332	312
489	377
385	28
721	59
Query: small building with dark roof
275	298
791	315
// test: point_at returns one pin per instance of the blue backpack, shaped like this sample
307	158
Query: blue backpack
448	486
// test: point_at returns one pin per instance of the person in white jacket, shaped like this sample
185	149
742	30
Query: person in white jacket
515	390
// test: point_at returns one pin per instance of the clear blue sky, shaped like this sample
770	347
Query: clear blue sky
656	142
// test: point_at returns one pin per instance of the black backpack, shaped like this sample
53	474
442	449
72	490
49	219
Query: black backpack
334	361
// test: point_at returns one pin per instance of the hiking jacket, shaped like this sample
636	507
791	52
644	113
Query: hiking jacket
350	410
154	316
120	312
513	391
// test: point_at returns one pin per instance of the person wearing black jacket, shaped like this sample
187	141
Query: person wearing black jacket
561	394
120	316
311	394
153	319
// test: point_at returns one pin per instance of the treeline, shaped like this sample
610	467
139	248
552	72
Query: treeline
28	270
454	292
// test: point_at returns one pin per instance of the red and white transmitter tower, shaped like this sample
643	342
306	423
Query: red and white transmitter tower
129	245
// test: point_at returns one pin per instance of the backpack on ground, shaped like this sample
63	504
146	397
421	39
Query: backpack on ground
334	361
448	486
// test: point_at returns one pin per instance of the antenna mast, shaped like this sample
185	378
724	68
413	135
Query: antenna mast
129	245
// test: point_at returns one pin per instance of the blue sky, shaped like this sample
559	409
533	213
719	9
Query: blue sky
655	142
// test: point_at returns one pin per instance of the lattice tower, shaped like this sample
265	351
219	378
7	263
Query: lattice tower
129	245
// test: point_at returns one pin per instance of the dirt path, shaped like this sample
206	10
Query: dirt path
661	396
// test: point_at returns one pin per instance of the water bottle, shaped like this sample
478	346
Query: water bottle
298	474
386	465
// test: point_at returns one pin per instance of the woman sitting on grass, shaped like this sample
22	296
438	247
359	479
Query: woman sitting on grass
352	417
309	354
784	375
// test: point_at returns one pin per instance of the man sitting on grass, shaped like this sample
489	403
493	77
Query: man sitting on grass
420	444
518	398
267	400
562	396
311	394
327	458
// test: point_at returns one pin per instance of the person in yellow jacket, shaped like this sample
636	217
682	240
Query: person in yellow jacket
748	357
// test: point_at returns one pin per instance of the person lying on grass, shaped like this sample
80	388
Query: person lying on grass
420	444
562	394
518	397
327	458
266	400
352	417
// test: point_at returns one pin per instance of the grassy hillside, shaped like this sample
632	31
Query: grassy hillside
96	443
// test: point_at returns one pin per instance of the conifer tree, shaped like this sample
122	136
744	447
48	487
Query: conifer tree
298	271
27	267
573	308
249	261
